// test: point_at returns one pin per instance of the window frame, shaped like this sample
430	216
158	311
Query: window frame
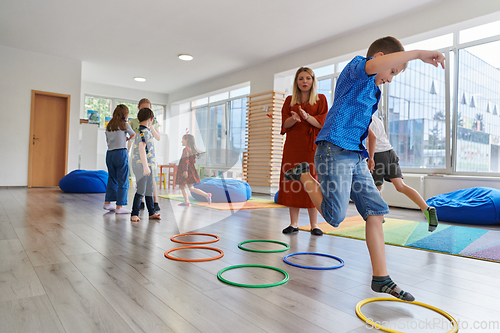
226	125
114	103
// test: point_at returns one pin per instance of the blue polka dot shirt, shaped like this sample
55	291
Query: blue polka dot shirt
356	99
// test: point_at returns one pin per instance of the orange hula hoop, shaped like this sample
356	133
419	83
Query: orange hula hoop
194	247
195	233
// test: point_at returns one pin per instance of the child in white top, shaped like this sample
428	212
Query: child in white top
384	164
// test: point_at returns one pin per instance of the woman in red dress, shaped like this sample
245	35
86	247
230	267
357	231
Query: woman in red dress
186	171
303	115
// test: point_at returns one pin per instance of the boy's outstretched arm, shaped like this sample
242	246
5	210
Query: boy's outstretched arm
382	62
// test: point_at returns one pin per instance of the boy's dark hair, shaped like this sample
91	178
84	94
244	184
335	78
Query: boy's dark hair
386	45
145	114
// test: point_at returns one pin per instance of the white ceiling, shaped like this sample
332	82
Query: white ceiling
117	40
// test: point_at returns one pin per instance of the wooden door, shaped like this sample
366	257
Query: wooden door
49	131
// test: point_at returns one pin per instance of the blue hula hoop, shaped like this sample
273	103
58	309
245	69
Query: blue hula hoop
285	259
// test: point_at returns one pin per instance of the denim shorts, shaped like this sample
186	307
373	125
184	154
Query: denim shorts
344	174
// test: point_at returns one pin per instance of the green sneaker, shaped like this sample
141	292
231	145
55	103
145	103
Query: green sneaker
431	216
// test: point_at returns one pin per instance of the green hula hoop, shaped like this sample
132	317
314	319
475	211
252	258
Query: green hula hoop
219	276
240	245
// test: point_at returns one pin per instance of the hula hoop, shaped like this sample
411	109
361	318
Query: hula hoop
240	245
194	233
382	328
194	247
285	259
219	276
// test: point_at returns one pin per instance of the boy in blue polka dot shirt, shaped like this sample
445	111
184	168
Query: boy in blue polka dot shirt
340	158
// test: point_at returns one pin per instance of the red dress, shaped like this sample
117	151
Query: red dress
299	147
186	163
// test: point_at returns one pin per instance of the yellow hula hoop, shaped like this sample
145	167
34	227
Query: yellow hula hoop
382	328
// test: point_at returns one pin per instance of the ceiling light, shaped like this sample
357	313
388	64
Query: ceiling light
185	57
140	79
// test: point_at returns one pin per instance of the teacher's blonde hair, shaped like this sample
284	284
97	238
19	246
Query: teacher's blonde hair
313	93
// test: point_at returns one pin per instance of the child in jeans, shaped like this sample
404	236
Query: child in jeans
384	164
134	123
143	159
340	158
118	132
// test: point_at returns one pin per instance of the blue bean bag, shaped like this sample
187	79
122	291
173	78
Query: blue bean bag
83	181
223	190
276	197
477	205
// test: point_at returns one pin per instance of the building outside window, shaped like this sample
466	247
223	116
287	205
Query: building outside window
418	124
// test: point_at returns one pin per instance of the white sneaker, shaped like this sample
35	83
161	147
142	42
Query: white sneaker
109	206
122	211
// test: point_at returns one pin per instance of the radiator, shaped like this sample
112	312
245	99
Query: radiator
396	199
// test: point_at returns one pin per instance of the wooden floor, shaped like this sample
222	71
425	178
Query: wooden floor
68	266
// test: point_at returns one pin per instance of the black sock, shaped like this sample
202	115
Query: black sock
384	284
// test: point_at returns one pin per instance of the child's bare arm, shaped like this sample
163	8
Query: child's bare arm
372	140
383	62
155	132
144	158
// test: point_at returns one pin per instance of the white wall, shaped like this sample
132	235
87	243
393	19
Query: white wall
22	72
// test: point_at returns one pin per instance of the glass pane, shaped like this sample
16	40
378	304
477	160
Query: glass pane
240	92
132	108
201	101
323	71
159	111
216	140
102	108
219	97
478	132
325	88
341	65
200	132
432	43
237	126
416	116
482	31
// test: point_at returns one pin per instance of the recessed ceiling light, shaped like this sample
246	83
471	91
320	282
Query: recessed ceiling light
185	57
140	79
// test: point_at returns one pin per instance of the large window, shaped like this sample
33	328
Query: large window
325	87
98	108
220	127
457	132
478	122
102	108
416	112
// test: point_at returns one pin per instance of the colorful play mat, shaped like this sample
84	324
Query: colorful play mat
252	203
457	240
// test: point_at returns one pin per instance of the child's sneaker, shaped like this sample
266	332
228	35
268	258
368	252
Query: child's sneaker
295	173
157	207
209	199
142	205
185	204
109	206
431	216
